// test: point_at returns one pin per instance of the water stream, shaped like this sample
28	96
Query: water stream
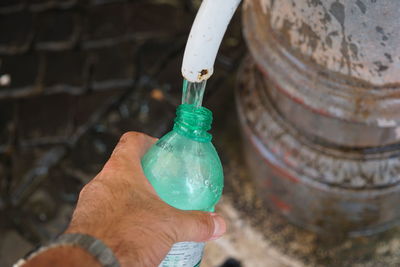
193	92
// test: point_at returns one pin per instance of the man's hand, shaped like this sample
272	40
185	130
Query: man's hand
120	207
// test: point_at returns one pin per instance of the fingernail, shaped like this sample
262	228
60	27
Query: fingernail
219	226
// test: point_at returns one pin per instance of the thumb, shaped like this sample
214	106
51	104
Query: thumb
199	226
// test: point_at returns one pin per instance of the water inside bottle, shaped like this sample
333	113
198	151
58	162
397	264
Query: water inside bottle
193	92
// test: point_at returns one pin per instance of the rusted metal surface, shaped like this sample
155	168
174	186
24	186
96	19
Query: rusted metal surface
324	189
319	108
334	64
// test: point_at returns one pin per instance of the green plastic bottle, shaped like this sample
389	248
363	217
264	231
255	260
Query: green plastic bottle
186	172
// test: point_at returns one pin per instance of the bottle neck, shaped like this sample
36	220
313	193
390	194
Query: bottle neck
193	122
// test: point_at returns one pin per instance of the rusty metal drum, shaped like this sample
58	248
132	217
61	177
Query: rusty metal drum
319	105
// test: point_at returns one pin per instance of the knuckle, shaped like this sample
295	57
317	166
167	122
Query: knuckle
126	139
133	139
90	186
84	191
130	140
131	136
126	136
112	165
91	190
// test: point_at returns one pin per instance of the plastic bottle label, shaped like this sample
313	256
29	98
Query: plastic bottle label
184	254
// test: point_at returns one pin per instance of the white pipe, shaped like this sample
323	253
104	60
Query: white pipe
205	37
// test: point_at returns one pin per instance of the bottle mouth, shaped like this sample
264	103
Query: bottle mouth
194	122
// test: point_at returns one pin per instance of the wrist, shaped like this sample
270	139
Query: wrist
59	256
72	249
103	236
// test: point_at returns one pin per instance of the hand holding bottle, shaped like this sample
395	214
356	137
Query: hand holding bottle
120	207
